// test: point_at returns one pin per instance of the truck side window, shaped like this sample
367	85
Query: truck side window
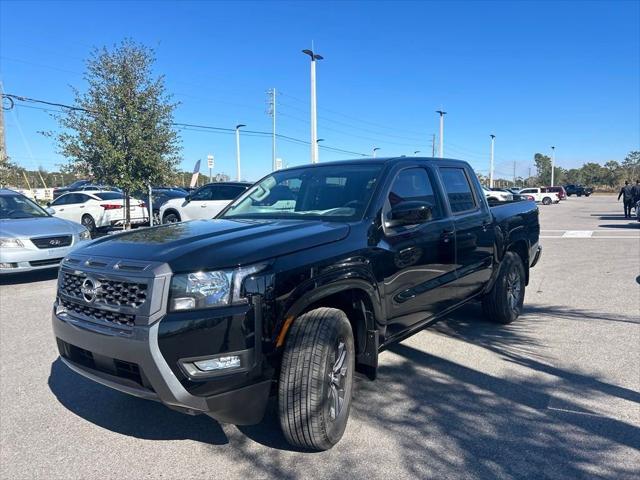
410	185
458	189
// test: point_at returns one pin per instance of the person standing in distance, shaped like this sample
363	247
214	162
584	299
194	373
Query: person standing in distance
626	193
636	198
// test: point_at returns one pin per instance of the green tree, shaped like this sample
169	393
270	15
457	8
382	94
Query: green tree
120	130
631	164
593	173
543	168
612	173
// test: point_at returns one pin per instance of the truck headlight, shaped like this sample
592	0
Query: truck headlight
217	288
85	235
10	243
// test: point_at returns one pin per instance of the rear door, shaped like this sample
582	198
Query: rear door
417	267
474	233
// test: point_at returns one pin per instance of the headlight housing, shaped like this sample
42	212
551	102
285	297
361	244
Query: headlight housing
209	289
85	235
10	243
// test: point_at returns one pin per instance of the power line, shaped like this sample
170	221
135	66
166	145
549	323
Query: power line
182	125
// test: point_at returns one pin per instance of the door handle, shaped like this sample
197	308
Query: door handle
446	235
203	206
81	206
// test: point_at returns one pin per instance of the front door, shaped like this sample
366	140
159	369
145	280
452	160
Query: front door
418	267
199	204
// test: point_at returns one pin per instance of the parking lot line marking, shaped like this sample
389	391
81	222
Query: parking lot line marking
599	237
577	234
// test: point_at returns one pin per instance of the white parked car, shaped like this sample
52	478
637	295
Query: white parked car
497	195
541	195
97	210
205	203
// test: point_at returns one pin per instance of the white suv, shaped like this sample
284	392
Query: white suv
497	195
205	203
541	195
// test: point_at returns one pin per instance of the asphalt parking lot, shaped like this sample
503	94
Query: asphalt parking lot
554	395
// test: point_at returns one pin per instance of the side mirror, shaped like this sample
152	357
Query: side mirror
187	199
48	204
409	213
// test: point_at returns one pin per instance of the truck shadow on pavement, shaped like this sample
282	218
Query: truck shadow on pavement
128	415
426	416
430	417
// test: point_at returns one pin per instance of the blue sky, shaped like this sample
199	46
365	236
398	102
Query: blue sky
535	74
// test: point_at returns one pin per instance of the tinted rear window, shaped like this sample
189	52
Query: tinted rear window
109	196
458	189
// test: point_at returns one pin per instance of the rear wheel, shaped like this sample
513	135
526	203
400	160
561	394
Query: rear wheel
90	224
546	201
503	304
171	218
316	379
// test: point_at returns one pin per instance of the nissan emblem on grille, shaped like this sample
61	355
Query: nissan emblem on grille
90	289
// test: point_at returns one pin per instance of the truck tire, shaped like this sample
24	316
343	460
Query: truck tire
546	201
503	303
316	379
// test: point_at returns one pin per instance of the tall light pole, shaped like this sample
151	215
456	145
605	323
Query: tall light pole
272	112
375	150
416	152
318	144
314	115
238	127
442	114
553	163
493	141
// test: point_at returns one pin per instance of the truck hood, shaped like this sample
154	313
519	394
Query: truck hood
210	244
39	226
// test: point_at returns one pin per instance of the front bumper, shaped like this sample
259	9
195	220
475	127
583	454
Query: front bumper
32	258
133	363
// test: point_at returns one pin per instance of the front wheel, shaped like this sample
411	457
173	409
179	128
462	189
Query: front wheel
90	224
316	379
503	303
171	218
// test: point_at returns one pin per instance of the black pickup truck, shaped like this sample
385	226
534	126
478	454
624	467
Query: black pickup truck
300	282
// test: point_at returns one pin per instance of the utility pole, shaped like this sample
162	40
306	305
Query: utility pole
433	145
442	114
529	177
238	127
493	141
272	113
3	147
314	114
514	173
375	150
553	164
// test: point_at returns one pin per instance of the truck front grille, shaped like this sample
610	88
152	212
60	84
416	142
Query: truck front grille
98	314
109	292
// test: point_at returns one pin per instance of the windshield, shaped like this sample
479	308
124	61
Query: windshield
18	206
332	192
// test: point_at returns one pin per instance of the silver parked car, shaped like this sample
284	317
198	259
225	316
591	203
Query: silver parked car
30	238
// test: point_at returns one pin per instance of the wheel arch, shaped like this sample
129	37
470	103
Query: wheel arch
361	304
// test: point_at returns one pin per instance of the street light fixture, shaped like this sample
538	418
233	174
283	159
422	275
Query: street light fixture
318	153
375	149
238	127
416	152
314	115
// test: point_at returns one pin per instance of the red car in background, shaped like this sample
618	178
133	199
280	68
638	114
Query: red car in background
562	193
